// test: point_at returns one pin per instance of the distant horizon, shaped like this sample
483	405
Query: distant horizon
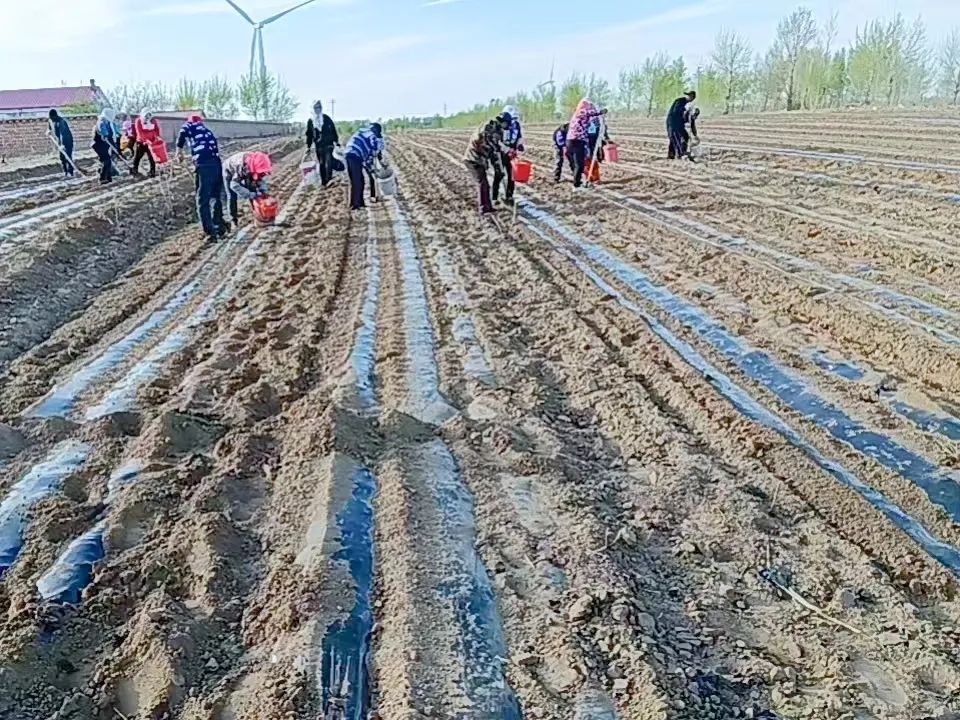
410	58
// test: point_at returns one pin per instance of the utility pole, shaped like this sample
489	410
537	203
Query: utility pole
333	107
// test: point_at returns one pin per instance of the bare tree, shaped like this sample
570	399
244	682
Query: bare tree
950	67
132	99
795	34
731	56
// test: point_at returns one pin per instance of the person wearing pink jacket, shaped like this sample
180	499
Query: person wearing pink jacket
578	139
147	132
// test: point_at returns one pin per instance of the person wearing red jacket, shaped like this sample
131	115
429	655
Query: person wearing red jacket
147	132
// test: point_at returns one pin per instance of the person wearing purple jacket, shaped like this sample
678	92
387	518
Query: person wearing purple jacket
578	137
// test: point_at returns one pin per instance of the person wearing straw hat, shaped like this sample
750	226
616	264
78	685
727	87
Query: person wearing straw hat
677	118
61	133
208	170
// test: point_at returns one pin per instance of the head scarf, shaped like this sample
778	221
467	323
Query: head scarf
258	164
108	114
146	119
318	113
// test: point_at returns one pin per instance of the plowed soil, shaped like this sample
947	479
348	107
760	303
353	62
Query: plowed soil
681	445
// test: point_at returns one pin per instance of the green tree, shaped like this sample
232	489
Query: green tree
795	34
731	59
265	97
188	95
220	99
572	91
950	67
888	62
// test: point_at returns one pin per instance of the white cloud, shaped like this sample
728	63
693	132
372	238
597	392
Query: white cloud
45	25
434	3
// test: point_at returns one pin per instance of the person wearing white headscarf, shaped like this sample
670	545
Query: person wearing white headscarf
104	143
147	132
322	135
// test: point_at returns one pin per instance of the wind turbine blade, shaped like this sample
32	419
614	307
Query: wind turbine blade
241	11
285	12
253	51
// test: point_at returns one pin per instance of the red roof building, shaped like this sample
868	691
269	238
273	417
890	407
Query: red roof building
37	102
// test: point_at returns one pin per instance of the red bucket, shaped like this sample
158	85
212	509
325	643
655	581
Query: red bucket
612	152
265	209
158	148
591	171
522	170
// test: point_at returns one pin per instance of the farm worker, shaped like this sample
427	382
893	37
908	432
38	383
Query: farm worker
60	131
593	138
103	144
578	139
148	132
208	171
559	147
677	118
365	147
486	148
322	135
513	140
245	176
128	135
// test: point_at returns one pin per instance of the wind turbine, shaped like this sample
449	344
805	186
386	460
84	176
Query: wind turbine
257	46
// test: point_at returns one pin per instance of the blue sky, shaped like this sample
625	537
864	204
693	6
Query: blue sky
391	57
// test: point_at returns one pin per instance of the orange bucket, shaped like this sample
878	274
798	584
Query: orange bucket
158	148
612	153
265	209
522	170
591	171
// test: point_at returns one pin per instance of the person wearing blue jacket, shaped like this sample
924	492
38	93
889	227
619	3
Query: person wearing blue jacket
61	133
365	147
208	169
559	147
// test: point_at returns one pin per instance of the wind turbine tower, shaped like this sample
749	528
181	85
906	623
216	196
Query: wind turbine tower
256	48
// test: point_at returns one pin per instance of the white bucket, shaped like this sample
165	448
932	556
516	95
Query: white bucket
309	172
387	186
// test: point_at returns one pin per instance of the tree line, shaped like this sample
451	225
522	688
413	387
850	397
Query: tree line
259	97
889	63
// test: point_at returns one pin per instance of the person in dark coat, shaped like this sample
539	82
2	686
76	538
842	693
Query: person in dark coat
209	175
486	149
513	140
103	145
322	135
677	118
559	149
60	131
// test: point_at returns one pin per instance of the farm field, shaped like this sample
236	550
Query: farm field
683	445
